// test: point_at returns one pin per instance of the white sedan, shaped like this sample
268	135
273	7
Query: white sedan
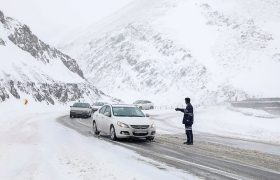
144	104
123	121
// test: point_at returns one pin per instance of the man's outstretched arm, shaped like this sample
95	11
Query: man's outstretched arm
180	109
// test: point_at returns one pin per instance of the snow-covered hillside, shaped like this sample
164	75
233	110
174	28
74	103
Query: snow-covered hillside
31	68
168	49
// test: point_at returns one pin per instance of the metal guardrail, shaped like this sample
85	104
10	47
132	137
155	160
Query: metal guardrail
270	105
255	104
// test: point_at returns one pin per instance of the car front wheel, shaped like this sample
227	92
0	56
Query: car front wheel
94	128
113	133
150	138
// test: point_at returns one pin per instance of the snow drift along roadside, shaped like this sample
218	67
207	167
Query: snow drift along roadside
241	123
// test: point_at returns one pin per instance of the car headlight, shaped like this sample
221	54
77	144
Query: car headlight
123	125
153	125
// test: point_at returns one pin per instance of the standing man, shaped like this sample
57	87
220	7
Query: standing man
188	120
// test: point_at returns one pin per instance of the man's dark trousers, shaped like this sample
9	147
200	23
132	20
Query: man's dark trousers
189	134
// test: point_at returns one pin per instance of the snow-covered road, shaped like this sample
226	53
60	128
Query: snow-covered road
39	142
206	159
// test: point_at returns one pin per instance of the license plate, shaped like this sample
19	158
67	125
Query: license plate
140	131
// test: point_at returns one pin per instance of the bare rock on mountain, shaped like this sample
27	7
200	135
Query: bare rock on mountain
2	42
32	68
27	41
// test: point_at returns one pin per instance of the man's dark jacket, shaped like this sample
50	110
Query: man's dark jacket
188	114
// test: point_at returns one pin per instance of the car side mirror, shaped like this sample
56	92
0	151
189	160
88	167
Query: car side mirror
107	114
147	115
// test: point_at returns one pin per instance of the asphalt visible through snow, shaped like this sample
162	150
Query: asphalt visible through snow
211	157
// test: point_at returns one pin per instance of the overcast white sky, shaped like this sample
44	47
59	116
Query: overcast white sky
51	20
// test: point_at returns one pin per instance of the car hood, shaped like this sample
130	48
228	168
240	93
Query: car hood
135	120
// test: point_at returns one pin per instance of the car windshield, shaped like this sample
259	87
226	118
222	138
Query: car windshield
99	104
128	112
82	105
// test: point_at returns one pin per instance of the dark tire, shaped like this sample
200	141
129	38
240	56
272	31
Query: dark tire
94	128
113	133
150	138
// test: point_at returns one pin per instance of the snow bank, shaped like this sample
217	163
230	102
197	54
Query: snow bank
220	120
253	112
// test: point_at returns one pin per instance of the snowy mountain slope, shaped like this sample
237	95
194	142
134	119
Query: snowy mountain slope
209	50
140	57
239	41
31	68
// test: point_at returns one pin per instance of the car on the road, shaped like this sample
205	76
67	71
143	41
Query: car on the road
123	121
144	104
80	110
95	106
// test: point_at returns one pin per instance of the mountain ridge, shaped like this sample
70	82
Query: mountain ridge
31	68
224	49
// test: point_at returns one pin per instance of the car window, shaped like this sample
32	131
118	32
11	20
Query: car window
108	109
82	105
102	110
128	112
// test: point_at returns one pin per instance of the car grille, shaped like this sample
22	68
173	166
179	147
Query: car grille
140	134
140	126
